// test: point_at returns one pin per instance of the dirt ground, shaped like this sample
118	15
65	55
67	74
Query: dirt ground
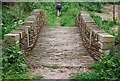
108	12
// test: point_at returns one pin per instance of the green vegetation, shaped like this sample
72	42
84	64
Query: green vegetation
106	25
14	64
54	67
85	77
108	68
13	16
13	61
70	9
23	76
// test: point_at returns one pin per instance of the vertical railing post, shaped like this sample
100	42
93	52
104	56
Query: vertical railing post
119	20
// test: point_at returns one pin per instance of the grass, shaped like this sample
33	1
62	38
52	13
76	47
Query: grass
104	24
107	26
85	77
54	67
70	11
27	75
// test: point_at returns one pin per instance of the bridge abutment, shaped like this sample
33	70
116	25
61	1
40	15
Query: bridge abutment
94	38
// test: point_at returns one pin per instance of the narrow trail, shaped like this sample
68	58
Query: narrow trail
109	12
59	46
58	21
109	15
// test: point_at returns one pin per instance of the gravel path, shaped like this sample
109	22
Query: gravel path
59	46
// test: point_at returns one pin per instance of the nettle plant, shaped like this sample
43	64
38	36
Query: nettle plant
109	65
14	61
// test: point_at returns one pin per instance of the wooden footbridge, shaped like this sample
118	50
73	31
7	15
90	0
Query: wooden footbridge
71	48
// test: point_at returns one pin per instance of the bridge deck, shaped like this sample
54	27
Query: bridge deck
61	46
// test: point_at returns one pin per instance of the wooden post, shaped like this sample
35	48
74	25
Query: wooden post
119	13
114	12
119	20
90	37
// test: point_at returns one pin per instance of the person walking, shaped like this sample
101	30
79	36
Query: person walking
58	7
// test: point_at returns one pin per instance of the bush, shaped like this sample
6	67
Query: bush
117	40
108	68
109	65
14	61
86	77
14	64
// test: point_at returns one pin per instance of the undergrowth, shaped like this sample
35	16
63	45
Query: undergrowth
25	76
106	25
14	64
13	60
13	16
70	9
85	77
107	69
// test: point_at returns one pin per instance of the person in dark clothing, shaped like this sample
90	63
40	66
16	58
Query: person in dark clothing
58	7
